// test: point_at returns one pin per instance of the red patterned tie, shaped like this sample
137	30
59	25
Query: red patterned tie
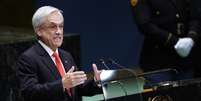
60	68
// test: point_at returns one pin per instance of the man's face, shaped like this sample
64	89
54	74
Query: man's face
51	31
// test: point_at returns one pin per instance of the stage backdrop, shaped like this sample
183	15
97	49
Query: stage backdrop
106	29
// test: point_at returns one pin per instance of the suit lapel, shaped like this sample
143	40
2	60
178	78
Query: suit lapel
51	66
47	61
67	65
65	61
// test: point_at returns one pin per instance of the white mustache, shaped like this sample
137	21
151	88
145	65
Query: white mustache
57	33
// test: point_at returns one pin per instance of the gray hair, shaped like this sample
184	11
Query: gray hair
41	13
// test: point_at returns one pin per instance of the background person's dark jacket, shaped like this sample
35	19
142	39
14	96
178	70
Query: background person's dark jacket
159	22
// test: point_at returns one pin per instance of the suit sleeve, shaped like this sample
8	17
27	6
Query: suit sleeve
143	18
195	18
29	84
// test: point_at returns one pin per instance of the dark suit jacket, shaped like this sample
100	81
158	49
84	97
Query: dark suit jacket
162	22
40	81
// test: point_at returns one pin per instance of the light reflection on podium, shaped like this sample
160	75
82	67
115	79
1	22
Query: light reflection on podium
118	84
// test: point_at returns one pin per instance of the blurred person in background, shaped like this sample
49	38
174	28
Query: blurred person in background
171	30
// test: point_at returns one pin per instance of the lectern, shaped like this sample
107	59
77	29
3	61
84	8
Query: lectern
119	85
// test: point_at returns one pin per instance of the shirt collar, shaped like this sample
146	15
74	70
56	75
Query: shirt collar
47	49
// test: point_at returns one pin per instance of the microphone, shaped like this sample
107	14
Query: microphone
122	67
142	74
115	63
104	64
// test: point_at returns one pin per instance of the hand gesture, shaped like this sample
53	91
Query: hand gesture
72	79
96	72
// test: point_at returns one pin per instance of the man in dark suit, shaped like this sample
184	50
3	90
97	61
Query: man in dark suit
47	73
171	32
